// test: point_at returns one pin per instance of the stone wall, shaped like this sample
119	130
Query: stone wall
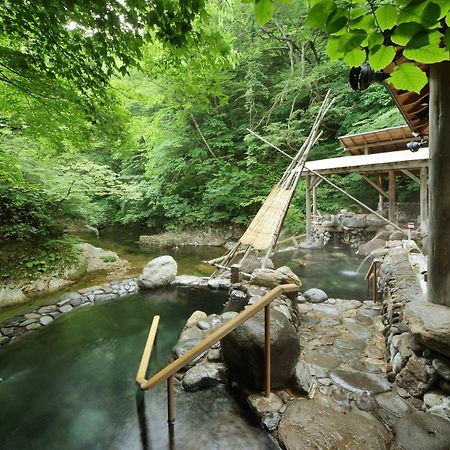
40	317
416	362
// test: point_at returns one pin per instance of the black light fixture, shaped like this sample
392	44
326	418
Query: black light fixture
414	146
362	77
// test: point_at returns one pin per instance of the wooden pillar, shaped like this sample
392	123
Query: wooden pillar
423	199
308	209
392	196
314	197
380	196
439	229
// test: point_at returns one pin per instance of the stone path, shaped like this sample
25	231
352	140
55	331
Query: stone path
350	404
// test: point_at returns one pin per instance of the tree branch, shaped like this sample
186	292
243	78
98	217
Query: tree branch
202	135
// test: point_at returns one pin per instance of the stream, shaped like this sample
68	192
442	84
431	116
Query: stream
71	384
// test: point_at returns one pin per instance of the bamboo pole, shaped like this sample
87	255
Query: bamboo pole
142	371
267	350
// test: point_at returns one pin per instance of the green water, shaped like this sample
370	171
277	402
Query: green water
71	384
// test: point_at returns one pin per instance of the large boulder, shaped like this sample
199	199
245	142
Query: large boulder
11	296
315	295
243	351
430	324
158	272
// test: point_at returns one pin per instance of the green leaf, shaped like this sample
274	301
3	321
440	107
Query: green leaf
318	14
447	39
351	40
425	47
365	22
355	58
264	11
424	12
375	39
447	20
336	21
409	77
404	32
381	56
333	51
386	16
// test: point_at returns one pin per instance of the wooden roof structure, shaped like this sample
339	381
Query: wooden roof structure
378	141
376	163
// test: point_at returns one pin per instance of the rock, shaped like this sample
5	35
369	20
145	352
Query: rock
203	325
417	376
214	283
356	329
66	308
187	280
46	320
398	362
289	276
67	298
251	263
422	431
32	316
442	367
194	318
272	278
158	272
309	425
393	404
408	346
47	309
367	248
4	340
76	302
433	398
214	355
101	298
398	236
353	222
302	378
33	326
350	344
25	323
7	331
11	296
442	409
203	375
243	351
430	324
262	405
271	420
360	382
315	295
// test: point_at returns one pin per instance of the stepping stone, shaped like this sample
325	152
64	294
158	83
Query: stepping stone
394	404
360	382
350	344
308	425
422	431
358	330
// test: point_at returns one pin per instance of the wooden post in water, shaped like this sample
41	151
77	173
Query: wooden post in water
308	208
170	405
267	350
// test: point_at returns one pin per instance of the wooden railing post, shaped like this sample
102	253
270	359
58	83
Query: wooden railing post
170	405
267	349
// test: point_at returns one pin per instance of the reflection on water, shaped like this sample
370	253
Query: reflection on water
334	271
71	384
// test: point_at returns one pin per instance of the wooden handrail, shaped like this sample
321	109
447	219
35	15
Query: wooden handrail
142	371
218	334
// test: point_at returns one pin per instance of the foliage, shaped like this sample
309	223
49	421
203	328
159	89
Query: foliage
367	30
84	43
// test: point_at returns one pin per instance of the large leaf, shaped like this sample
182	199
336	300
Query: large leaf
447	39
318	14
375	39
336	21
263	11
351	40
425	47
409	77
355	58
386	16
333	48
405	32
380	57
425	12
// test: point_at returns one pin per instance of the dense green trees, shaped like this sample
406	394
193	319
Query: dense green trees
169	146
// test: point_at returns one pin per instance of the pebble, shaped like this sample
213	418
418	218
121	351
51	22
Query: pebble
66	308
46	320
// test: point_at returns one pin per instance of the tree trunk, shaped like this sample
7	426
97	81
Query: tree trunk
439	224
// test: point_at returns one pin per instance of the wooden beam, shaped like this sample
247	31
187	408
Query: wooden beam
308	208
314	197
375	186
365	147
424	199
380	196
392	187
411	175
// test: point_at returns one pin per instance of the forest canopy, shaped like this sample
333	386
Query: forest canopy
137	113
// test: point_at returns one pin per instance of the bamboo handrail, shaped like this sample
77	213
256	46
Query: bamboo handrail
142	371
218	334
